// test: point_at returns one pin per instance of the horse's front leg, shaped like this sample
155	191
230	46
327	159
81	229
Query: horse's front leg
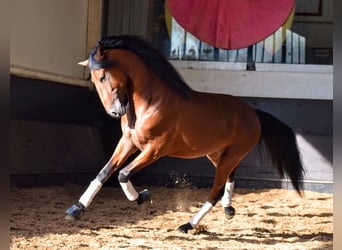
123	150
145	158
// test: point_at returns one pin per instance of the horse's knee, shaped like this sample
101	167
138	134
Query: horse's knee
123	176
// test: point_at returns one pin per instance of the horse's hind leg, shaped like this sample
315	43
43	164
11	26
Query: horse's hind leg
227	163
226	199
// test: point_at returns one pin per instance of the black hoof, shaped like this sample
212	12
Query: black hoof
144	196
75	212
230	212
185	228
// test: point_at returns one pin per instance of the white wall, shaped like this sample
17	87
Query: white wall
49	37
313	82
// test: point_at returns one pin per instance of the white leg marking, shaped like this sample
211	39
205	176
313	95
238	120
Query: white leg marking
129	190
201	213
226	200
90	193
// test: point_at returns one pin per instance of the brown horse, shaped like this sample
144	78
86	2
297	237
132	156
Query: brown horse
162	116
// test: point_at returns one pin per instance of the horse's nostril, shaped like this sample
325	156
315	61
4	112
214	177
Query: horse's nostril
115	114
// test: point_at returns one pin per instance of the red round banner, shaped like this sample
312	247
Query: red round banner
230	24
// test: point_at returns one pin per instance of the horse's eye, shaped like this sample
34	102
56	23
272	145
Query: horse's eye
103	79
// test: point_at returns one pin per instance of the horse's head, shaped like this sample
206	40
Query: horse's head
110	82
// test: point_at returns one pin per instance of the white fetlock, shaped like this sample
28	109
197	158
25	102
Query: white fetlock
129	190
226	200
200	214
90	193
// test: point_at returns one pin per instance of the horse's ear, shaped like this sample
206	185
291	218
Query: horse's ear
99	56
84	63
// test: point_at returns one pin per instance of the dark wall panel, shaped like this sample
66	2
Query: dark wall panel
47	104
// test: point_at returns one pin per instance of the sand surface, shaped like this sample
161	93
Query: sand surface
265	219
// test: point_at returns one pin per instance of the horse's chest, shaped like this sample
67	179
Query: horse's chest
147	132
139	137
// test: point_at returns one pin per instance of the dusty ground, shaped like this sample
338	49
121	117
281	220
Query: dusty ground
265	219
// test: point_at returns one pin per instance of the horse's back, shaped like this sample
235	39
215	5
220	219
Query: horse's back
210	122
228	108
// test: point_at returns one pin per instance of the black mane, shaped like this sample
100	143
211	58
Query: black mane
153	59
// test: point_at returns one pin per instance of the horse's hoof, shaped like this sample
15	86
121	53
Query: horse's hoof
144	195
185	228
69	217
230	212
75	212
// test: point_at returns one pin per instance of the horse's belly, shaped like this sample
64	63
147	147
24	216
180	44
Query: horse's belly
188	155
197	146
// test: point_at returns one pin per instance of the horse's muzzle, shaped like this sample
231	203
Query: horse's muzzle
118	108
117	113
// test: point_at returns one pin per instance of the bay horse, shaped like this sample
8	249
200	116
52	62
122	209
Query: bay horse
162	116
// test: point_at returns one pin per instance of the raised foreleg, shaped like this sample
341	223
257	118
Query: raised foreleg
123	150
145	158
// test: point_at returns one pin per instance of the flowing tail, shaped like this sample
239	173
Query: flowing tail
280	142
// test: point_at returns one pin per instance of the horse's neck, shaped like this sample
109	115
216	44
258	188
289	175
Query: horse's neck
146	92
146	89
149	90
